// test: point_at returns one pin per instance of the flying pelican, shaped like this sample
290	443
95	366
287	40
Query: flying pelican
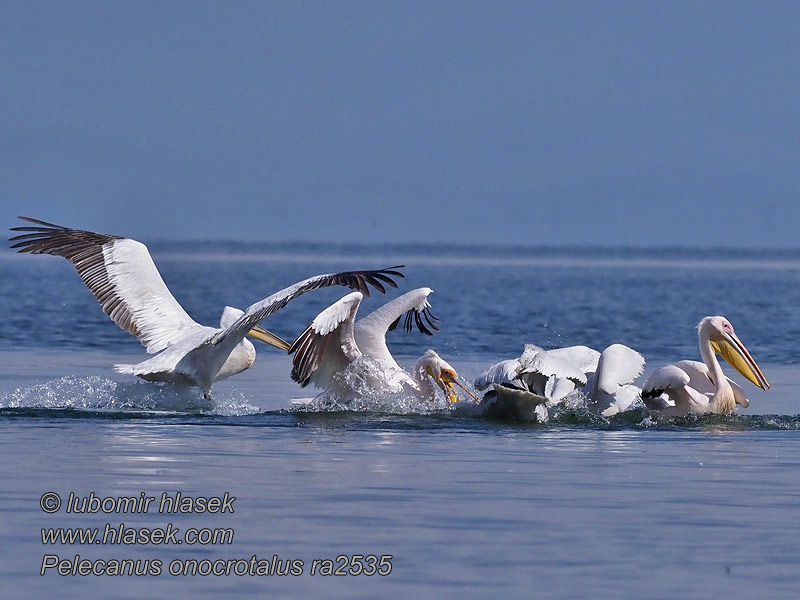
334	340
522	387
125	281
702	387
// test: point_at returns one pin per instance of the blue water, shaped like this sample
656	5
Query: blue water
580	507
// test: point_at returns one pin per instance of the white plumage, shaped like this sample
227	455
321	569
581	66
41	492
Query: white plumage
610	389
549	373
605	379
334	340
125	281
691	387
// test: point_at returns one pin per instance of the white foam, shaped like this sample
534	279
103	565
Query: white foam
102	394
364	387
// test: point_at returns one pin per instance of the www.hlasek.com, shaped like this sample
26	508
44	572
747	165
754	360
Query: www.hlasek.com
170	535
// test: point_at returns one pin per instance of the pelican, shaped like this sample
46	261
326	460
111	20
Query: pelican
523	387
552	374
510	402
125	281
334	340
702	387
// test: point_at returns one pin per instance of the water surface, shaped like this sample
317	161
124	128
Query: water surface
620	508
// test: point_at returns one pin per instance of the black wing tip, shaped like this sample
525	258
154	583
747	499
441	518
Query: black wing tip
414	317
41	226
362	280
49	238
31	234
429	314
40	222
393	271
650	394
420	325
298	378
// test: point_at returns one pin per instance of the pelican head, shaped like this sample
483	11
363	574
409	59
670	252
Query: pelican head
443	374
230	315
719	333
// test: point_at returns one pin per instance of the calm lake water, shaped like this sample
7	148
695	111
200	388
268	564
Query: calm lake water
467	508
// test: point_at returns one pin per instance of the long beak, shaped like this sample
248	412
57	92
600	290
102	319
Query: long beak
268	337
448	379
736	355
449	391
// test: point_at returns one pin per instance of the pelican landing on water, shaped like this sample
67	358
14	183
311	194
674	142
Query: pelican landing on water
701	387
334	340
125	281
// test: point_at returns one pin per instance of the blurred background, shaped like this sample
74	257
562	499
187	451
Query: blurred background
531	123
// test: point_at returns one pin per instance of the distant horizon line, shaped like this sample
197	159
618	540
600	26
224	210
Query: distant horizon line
433	245
462	247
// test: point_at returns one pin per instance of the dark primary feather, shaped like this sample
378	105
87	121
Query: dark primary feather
308	350
413	317
355	280
84	249
57	240
649	394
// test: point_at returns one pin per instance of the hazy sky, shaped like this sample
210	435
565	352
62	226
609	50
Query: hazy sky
613	123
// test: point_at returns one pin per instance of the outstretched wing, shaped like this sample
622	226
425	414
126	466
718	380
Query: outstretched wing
370	331
121	275
327	345
413	304
357	280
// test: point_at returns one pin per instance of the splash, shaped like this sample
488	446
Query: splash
95	393
397	403
365	387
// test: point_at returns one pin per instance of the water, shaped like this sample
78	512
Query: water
466	507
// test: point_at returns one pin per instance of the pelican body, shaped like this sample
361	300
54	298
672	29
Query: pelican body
334	340
552	374
510	403
123	278
548	377
699	388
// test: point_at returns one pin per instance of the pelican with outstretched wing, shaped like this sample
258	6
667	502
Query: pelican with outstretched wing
334	340
693	387
125	281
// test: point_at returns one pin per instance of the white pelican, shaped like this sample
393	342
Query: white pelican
124	280
552	374
523	386
334	340
702	387
509	402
